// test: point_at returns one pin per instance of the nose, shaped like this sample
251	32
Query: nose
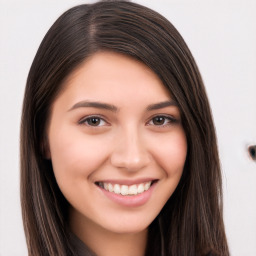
130	152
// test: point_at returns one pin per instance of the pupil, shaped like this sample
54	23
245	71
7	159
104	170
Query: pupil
94	121
159	120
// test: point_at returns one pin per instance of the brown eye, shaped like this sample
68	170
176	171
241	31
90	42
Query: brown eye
93	121
162	121
159	120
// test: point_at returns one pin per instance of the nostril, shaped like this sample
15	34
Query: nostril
252	152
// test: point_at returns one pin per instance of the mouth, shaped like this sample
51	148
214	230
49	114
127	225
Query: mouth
126	190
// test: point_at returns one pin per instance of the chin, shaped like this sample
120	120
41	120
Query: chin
126	225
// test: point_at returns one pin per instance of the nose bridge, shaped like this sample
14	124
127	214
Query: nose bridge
130	151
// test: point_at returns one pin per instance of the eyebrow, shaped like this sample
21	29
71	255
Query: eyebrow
92	104
106	106
163	104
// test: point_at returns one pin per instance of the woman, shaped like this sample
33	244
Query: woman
118	149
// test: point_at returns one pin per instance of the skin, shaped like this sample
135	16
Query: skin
128	141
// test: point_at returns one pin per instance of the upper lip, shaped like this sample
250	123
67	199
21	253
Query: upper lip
127	182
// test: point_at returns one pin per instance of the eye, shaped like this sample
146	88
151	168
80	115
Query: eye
93	121
162	120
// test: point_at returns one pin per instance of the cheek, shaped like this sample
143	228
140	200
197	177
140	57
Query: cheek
75	155
171	154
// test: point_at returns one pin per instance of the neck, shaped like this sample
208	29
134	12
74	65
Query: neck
104	242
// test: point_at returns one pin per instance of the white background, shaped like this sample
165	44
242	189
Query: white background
222	37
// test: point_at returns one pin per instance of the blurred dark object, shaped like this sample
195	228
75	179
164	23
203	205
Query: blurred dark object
252	152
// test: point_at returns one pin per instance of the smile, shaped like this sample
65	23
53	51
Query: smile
128	193
125	190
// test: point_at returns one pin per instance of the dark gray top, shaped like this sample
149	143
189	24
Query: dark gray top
82	250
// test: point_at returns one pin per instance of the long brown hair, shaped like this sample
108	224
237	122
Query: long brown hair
191	223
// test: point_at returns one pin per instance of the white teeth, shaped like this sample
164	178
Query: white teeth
140	188
117	189
147	185
110	187
126	190
133	190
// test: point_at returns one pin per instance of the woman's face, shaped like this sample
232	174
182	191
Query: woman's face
116	143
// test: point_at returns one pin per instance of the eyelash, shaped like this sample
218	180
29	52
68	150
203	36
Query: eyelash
85	121
168	120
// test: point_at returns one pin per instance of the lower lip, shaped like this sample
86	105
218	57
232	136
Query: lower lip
130	201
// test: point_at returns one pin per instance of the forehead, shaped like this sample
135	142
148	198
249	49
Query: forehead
106	73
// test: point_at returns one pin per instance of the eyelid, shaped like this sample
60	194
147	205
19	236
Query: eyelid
171	118
83	120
